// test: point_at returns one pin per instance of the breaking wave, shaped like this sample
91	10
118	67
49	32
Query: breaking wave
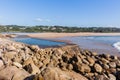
117	46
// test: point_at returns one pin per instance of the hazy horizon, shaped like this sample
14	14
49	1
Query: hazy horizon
78	13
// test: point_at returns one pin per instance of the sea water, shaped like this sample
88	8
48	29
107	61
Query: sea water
39	42
101	43
112	40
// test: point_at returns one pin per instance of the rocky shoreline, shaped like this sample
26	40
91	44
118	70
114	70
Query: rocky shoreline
19	61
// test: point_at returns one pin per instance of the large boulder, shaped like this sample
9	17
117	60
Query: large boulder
13	73
32	68
52	73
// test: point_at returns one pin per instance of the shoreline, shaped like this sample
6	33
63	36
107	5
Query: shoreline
60	35
54	36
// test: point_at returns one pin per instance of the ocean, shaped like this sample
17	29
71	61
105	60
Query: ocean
101	44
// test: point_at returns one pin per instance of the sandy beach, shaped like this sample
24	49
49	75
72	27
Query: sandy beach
60	35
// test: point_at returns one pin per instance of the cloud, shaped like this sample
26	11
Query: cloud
39	19
42	20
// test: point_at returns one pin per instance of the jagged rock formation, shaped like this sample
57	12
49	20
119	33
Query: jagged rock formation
29	62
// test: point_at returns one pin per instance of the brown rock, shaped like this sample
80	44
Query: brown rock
17	64
28	61
91	60
57	74
105	66
84	68
46	61
94	53
32	68
85	61
117	63
9	55
101	77
13	73
112	70
89	75
112	64
11	48
105	61
111	77
1	63
98	68
69	66
38	77
34	47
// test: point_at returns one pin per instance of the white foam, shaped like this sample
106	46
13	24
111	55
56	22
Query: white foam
117	46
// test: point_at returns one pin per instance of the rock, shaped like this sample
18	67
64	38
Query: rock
89	75
111	77
11	48
13	73
64	58
10	55
1	64
105	61
3	78
63	63
112	64
117	63
34	47
91	60
32	68
105	66
94	53
112	70
28	61
115	57
46	61
1	52
98	68
118	75
69	66
101	77
17	65
84	68
38	77
85	61
57	74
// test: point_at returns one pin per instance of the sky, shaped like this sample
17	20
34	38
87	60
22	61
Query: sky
81	13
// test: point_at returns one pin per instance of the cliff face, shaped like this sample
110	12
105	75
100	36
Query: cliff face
24	62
